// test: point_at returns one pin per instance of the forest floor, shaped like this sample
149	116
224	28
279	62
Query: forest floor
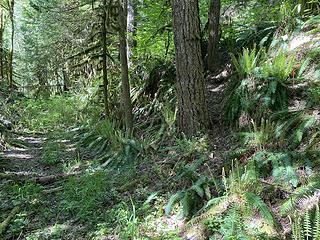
31	177
220	137
62	194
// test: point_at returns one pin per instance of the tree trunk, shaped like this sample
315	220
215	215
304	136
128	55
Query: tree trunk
1	42
65	80
10	70
131	28
126	99
104	58
192	108
213	41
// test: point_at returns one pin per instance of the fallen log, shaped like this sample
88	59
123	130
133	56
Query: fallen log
7	221
41	179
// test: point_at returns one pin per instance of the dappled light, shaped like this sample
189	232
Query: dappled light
164	120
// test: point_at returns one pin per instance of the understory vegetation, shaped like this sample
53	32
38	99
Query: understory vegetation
75	165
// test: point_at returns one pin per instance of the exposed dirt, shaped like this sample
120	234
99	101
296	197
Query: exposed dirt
220	135
24	159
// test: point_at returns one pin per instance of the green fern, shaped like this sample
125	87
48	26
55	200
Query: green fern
316	229
294	125
301	194
246	63
297	231
307	228
192	198
172	201
254	200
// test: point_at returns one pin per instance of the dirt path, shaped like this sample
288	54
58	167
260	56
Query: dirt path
39	155
24	159
220	135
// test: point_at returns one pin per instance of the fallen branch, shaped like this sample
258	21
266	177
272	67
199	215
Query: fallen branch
7	221
23	176
53	190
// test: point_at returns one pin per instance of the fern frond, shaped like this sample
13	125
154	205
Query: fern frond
255	201
216	206
307	226
316	229
189	202
297	231
300	195
173	200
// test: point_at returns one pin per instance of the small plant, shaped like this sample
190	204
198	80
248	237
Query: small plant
261	84
230	214
192	198
51	153
306	226
247	63
84	197
109	144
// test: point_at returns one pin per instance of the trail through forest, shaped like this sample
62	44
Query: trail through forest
44	158
162	120
220	134
26	158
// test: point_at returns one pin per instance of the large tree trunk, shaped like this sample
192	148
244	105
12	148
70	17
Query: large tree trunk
104	57
10	70
192	108
126	99
213	41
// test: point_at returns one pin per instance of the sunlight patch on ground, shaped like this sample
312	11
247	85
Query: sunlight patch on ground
50	232
19	155
302	39
165	225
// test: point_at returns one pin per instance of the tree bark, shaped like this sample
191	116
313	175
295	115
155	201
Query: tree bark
1	42
126	98
104	58
192	107
10	62
131	28
213	41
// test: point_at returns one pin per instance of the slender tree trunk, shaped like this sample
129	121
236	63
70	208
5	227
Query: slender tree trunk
213	41
1	42
10	61
65	79
126	99
131	28
192	108
104	58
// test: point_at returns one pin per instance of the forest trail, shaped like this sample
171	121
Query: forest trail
26	158
220	135
38	155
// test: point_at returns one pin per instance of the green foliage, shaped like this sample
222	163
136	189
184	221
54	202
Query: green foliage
28	193
306	226
294	126
260	82
191	198
48	114
127	221
109	144
51	153
84	197
254	200
260	136
316	228
247	63
302	195
58	42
